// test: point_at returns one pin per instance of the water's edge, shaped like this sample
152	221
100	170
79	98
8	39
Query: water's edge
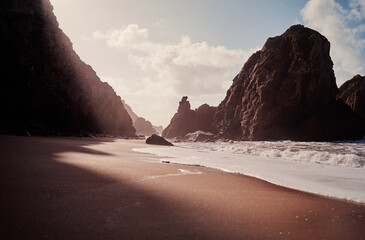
342	182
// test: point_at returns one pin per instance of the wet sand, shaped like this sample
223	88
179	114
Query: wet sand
84	188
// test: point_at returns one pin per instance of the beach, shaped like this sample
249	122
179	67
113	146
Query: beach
99	188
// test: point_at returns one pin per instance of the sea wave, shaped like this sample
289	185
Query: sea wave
345	154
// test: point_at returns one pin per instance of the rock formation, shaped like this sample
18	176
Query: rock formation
142	126
188	121
47	89
130	111
287	90
353	93
157	140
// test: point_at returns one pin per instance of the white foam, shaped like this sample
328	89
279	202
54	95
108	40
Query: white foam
331	169
182	173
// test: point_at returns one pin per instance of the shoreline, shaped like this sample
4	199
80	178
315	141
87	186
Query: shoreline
261	179
268	182
338	182
91	189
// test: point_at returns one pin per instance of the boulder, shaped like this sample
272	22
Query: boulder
157	140
287	91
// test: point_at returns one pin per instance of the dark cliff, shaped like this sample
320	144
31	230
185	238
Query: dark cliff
47	89
353	93
187	120
287	90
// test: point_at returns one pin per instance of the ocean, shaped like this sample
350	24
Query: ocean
333	169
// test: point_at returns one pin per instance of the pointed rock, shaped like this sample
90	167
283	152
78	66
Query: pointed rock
188	121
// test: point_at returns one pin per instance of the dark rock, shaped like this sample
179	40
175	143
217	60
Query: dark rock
46	88
353	93
287	90
187	120
157	140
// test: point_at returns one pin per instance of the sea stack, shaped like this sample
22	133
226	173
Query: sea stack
47	89
287	91
187	120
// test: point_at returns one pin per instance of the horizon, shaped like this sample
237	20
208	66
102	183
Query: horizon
152	54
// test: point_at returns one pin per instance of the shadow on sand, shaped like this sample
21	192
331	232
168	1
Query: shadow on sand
42	198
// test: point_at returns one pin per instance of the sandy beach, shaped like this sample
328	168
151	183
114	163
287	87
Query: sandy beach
90	188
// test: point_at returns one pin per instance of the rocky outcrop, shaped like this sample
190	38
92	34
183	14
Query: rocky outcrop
188	121
142	126
287	90
47	89
353	93
130	111
157	140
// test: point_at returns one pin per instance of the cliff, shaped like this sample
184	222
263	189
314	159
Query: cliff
287	90
353	93
142	126
47	88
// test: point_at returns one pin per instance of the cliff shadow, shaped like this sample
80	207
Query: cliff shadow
43	198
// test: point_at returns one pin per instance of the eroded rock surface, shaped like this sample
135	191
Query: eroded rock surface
187	120
287	90
353	93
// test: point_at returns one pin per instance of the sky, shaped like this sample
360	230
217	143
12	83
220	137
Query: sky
153	52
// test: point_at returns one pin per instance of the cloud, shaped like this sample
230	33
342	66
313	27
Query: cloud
342	27
185	68
130	37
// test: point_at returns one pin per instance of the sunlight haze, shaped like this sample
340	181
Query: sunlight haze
154	52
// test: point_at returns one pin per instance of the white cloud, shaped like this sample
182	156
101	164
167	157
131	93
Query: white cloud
341	26
185	68
170	71
357	11
150	99
130	37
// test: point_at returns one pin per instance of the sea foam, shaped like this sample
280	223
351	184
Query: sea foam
333	169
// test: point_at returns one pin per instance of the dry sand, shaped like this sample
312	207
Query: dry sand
84	188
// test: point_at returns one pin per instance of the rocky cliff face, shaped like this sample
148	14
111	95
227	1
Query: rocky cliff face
353	93
287	90
130	111
188	121
142	126
47	89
